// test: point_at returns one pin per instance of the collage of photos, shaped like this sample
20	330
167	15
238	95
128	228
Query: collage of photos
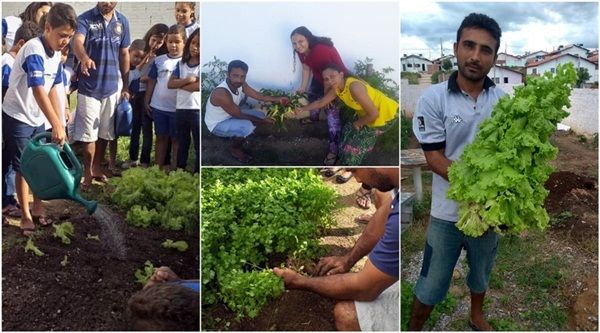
299	166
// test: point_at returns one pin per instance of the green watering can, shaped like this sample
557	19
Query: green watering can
53	172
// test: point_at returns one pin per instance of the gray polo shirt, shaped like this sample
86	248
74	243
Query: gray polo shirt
447	118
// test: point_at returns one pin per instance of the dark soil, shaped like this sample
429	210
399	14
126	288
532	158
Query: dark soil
90	293
296	145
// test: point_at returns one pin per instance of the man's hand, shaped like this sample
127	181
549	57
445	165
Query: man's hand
290	278
333	265
162	274
125	94
299	110
86	65
58	135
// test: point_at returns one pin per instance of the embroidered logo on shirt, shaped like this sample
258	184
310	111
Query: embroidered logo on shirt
457	119
421	122
118	28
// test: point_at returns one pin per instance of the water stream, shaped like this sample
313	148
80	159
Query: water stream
112	237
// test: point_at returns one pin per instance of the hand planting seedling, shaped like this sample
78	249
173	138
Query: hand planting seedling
499	179
180	246
279	111
63	231
31	247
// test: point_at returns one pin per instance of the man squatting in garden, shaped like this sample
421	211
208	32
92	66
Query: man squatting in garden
367	300
225	118
446	121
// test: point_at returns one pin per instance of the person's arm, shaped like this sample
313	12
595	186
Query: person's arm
438	162
365	243
124	68
260	97
222	98
305	76
358	90
85	62
148	96
365	285
329	97
194	86
175	82
48	104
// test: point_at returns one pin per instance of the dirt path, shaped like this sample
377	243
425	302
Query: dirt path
298	310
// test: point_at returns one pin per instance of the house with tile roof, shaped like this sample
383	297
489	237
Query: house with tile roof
551	62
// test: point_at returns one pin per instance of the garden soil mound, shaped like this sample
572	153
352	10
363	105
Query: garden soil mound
90	293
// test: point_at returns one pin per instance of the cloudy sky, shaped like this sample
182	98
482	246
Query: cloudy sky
530	26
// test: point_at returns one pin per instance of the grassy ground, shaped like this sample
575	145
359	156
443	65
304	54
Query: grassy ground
526	284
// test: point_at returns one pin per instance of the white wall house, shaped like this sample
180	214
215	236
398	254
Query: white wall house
575	50
538	55
504	75
450	57
414	63
505	59
550	64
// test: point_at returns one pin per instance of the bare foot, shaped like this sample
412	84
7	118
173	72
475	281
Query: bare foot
478	323
27	226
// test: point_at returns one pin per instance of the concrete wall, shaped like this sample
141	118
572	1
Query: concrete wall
583	117
141	15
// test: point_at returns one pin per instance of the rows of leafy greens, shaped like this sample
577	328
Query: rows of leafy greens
499	179
250	217
154	198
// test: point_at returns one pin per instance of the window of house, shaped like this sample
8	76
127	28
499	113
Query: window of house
534	71
505	79
552	70
409	65
496	80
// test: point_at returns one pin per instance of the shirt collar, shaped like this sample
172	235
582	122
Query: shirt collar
453	85
98	13
47	49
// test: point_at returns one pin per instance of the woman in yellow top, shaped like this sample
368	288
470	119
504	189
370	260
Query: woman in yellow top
374	113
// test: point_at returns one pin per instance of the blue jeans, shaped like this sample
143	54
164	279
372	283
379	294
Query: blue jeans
442	249
239	128
188	121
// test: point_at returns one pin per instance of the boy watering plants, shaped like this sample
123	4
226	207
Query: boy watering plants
32	97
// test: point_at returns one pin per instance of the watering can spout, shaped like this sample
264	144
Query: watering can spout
90	205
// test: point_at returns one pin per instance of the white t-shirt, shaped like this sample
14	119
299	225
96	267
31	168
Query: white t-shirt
61	90
11	24
7	65
216	114
186	99
190	28
35	65
163	98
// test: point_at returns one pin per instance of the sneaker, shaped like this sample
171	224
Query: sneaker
129	164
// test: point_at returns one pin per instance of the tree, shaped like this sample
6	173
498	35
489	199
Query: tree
446	64
582	76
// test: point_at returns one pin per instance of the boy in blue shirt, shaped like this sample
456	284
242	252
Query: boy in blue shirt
32	97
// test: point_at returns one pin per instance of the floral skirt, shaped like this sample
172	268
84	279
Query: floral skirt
356	144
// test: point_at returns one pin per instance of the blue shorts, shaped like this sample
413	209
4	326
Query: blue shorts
164	123
234	127
16	135
442	249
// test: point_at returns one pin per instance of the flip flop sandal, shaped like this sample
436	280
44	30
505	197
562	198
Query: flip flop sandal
101	179
363	195
329	172
474	327
28	231
41	220
12	211
340	179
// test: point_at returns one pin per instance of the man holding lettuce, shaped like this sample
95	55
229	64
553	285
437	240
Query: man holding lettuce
445	122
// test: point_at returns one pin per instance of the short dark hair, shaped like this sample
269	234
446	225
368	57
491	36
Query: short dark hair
177	29
186	49
164	307
237	64
27	31
138	44
62	14
481	21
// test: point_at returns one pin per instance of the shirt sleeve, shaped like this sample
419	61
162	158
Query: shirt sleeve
385	255
5	75
428	124
126	40
82	25
4	28
34	69
153	74
59	75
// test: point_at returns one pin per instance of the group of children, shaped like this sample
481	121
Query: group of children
164	87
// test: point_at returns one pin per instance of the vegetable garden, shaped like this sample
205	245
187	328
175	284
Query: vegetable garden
257	219
79	274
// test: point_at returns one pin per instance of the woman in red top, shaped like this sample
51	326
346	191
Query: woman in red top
315	53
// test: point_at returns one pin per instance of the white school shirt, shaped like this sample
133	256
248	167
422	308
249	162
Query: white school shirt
190	28
11	24
35	65
186	99
163	98
216	114
7	65
61	90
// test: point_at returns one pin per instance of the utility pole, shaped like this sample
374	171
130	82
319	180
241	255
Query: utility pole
441	47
